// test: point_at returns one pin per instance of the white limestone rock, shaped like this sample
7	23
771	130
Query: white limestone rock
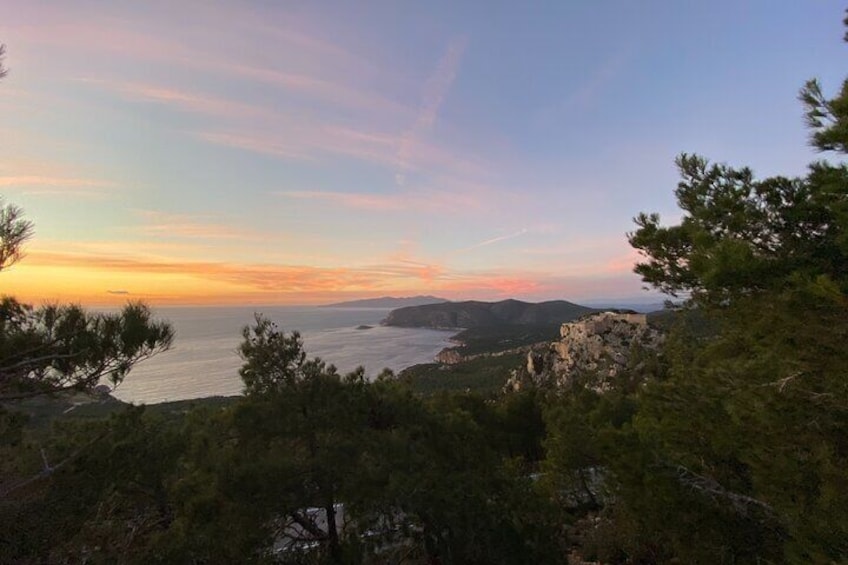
594	349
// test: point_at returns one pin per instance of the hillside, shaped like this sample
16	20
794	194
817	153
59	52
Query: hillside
387	302
474	314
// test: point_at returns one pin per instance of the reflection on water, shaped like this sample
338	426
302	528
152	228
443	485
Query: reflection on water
204	361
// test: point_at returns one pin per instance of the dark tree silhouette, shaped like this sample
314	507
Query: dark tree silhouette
3	70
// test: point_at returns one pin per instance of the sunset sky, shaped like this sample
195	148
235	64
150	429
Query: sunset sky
263	152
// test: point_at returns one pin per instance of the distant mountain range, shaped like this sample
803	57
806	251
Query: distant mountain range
643	303
643	307
388	302
474	314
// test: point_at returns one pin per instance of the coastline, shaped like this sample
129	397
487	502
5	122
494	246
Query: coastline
204	361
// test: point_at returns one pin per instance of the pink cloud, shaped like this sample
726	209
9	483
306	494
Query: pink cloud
422	200
36	180
623	263
338	93
297	141
141	248
265	146
301	139
161	224
37	185
325	78
258	277
489	283
184	100
216	281
373	202
103	38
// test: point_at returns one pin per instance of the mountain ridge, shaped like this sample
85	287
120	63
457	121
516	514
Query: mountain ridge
474	313
388	302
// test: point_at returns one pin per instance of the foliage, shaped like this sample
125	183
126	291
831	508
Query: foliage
491	339
420	480
740	236
55	348
741	441
3	70
106	498
14	229
48	350
483	375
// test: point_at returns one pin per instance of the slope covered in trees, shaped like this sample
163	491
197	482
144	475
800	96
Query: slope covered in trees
476	314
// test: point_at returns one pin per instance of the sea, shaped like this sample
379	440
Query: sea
204	359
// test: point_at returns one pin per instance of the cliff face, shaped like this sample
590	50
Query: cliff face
592	351
474	314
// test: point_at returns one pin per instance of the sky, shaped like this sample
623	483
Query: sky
304	152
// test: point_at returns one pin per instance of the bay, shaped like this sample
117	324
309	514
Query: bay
204	360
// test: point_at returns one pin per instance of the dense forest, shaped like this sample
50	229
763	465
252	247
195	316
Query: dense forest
727	445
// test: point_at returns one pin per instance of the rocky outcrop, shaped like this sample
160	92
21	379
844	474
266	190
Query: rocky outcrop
592	351
449	356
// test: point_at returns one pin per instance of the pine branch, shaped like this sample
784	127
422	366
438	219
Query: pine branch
49	470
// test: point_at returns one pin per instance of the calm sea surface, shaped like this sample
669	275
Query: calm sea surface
204	361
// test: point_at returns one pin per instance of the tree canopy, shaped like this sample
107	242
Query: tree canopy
748	426
14	232
3	70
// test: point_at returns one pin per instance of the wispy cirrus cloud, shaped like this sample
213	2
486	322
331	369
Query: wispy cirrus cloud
145	248
493	240
301	38
349	116
302	140
372	202
263	145
163	224
38	185
339	94
426	200
435	91
182	99
36	180
294	138
589	90
599	79
101	35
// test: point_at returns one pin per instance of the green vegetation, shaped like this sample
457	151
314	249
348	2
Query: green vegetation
490	357
491	339
475	314
58	348
481	375
728	445
421	480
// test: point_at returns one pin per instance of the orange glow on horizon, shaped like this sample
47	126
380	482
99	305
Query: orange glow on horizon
103	280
